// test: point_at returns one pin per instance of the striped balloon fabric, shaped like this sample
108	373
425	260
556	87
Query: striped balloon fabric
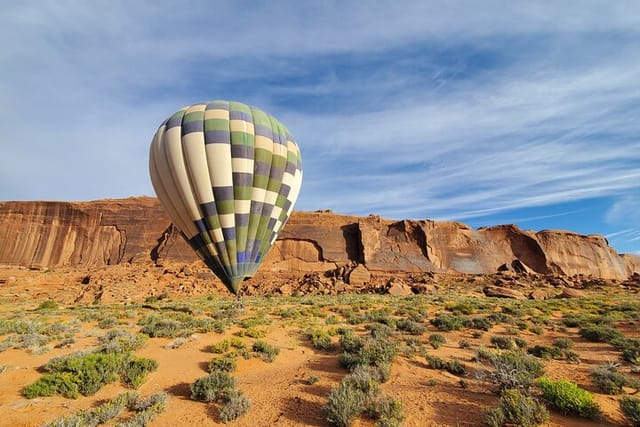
228	175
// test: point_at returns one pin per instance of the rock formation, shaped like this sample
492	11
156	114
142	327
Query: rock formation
109	232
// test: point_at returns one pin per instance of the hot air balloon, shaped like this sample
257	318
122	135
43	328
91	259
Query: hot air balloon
228	176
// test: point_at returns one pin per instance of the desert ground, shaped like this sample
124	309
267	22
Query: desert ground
436	347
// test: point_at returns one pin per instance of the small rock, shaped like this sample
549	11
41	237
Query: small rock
570	293
399	288
424	288
538	295
496	291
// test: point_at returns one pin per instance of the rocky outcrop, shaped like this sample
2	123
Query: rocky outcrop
108	232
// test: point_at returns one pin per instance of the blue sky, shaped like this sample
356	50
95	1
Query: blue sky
484	112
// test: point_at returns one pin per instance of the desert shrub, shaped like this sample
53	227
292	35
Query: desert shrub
145	410
223	363
236	406
630	407
572	356
224	345
48	305
411	327
567	397
251	332
135	372
379	330
481	323
377	353
108	322
62	383
359	394
350	342
537	329
312	380
504	342
446	322
215	387
453	366
160	327
436	340
363	379
599	333
90	371
516	408
630	348
464	344
461	307
221	347
320	339
344	405
511	369
545	352
266	351
608	380
387	410
563	343
121	341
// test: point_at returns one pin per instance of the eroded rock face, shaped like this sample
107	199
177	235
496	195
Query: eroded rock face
136	230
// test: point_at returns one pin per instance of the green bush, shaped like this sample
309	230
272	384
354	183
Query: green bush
48	305
121	341
345	404
545	352
446	322
387	410
158	327
224	345
90	371
145	411
223	363
630	348
436	340
236	406
62	383
320	339
608	380
359	394
266	351
411	327
135	372
503	342
517	409
379	330
568	397
480	323
630	407
563	343
511	369
453	366
215	387
379	353
350	342
600	333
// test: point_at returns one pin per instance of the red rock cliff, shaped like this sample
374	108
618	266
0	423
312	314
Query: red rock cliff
104	232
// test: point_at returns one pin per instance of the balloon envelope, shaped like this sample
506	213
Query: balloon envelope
228	175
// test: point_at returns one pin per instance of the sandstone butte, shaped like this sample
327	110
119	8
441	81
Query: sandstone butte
43	234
